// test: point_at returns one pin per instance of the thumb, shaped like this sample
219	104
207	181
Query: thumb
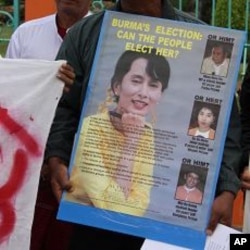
214	220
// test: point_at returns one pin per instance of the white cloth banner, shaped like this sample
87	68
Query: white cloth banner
29	93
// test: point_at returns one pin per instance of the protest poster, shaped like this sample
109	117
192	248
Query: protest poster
29	95
138	140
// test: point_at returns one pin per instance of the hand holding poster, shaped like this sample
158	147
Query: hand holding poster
29	95
149	145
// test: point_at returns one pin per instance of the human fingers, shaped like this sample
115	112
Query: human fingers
246	174
245	185
245	179
213	222
56	189
60	182
45	175
222	210
58	177
67	75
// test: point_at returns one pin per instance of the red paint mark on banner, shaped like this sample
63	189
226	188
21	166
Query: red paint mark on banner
7	191
1	155
8	220
17	174
16	129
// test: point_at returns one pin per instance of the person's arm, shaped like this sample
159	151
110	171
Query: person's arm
14	48
64	126
228	182
78	49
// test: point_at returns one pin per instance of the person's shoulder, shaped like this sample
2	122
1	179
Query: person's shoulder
208	59
198	191
86	29
38	21
89	20
31	26
192	131
185	17
179	188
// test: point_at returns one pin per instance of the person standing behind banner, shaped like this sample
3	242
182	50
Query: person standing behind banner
136	87
41	39
79	50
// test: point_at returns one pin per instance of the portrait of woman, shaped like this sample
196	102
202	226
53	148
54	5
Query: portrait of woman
203	122
114	159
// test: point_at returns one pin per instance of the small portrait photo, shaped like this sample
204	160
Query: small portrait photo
191	183
216	58
203	120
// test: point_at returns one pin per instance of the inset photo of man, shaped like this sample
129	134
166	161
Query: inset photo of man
216	58
191	184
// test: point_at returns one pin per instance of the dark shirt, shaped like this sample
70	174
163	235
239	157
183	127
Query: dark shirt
244	100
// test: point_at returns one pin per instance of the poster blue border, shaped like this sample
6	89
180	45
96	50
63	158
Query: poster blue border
128	224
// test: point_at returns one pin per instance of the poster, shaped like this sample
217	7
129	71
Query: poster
149	145
29	95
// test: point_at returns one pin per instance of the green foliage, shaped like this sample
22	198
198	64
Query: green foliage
5	33
238	14
6	2
3	47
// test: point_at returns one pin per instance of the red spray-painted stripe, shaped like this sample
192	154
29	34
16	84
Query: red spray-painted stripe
17	176
13	185
14	128
1	155
8	218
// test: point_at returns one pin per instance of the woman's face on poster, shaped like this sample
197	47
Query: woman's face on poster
205	118
138	92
